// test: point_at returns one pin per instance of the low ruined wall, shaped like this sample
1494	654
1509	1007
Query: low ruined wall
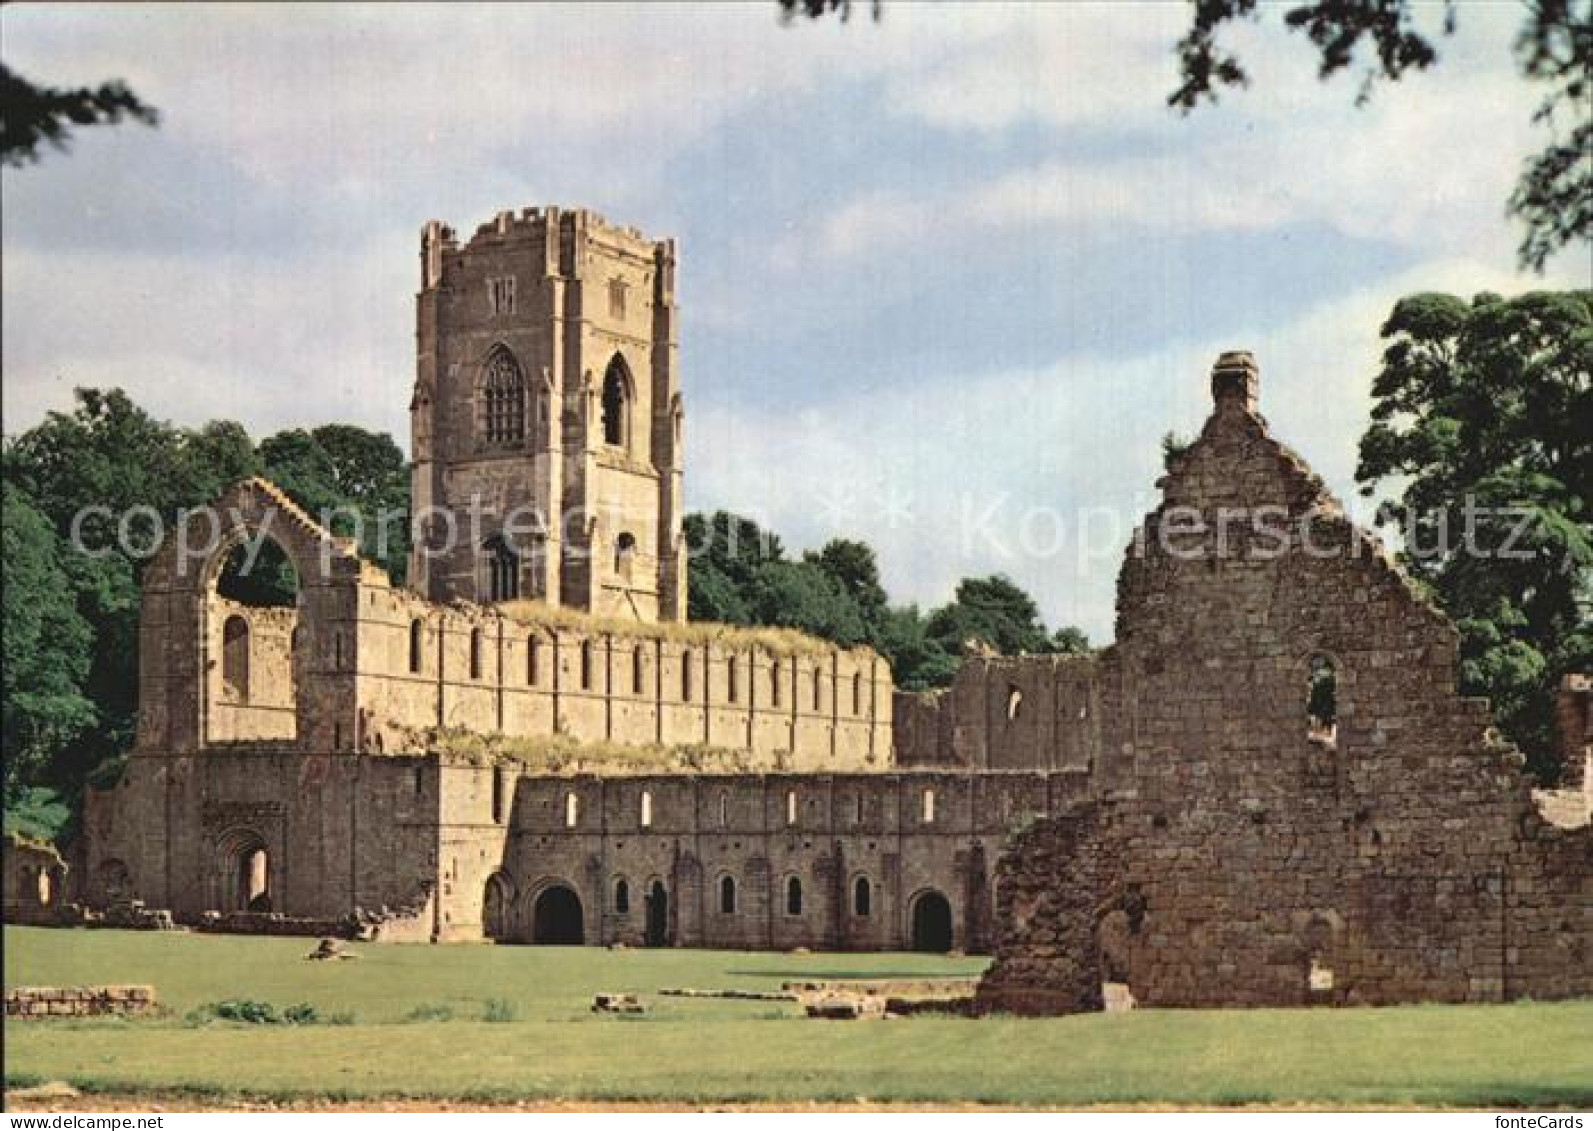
1004	713
32	1003
259	923
36	879
1050	887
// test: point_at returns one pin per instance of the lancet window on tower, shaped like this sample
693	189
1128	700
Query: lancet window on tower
503	399
503	570
616	403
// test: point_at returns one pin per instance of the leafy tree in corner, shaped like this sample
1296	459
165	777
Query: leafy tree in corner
1480	413
1554	195
33	115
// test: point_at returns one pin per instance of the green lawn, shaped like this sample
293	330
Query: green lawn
722	1050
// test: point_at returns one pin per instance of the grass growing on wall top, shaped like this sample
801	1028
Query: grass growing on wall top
564	754
777	641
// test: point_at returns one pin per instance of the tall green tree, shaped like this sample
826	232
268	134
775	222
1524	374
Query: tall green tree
45	646
1480	420
726	551
853	566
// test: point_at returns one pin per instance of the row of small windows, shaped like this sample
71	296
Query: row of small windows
862	896
533	663
572	808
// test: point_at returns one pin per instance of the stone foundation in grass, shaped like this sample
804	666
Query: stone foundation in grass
27	1003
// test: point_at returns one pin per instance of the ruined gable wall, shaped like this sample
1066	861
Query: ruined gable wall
1404	857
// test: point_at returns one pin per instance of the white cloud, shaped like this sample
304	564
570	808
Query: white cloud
269	343
1062	65
1427	164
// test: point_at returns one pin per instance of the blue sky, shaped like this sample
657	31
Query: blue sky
946	279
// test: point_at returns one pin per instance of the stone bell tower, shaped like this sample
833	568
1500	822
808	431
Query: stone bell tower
546	418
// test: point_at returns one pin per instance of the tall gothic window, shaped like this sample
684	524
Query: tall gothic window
503	570
616	403
503	397
235	658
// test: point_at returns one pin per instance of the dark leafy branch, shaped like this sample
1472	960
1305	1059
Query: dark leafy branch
32	116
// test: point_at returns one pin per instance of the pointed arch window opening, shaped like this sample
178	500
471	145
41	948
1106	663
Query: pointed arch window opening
616	404
503	570
503	399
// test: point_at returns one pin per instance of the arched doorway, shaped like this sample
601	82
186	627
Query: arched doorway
657	915
495	909
243	879
932	923
556	918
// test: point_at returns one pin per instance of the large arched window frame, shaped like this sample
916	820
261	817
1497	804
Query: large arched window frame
503	398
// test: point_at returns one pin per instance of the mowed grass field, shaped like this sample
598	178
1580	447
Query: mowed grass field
717	1050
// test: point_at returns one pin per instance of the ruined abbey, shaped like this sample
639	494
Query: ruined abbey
529	742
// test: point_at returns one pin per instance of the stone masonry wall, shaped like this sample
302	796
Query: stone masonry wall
907	836
522	672
39	1003
1396	856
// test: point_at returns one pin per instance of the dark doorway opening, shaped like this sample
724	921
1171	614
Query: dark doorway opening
495	909
932	923
556	919
657	915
